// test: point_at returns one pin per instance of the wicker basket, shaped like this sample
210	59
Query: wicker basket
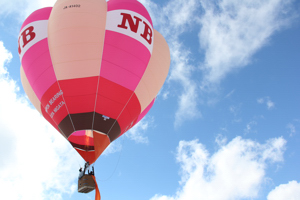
86	184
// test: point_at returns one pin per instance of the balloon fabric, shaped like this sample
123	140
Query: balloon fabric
92	68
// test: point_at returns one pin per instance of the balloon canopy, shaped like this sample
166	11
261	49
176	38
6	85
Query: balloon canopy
92	68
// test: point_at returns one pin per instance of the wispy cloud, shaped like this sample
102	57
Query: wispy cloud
188	99
33	154
137	133
181	15
114	147
172	20
233	31
20	9
235	109
236	171
5	58
230	33
229	94
249	127
291	190
267	101
292	127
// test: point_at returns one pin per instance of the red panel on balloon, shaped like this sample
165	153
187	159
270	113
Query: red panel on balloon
108	107
130	114
117	102
80	104
53	103
79	86
79	94
113	91
111	99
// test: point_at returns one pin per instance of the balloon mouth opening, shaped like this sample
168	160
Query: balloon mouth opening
90	144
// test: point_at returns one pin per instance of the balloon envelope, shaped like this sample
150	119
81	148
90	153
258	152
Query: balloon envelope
92	69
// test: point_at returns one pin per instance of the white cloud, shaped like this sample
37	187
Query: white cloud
182	73
266	100
270	104
20	9
236	171
290	191
181	16
172	20
260	100
233	31
235	109
229	94
5	58
292	129
181	13
113	147
9	7
249	127
36	161
220	139
137	132
165	95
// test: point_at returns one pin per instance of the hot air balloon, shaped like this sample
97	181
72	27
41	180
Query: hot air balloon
92	69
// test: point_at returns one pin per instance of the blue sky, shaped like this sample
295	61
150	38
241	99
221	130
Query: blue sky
226	124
